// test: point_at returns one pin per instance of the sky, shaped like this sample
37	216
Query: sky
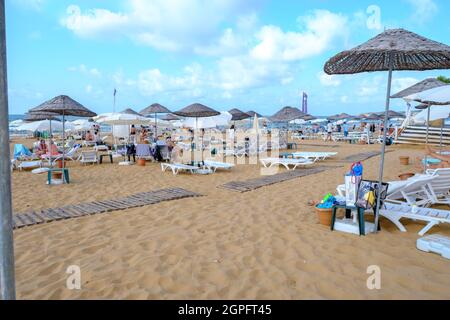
253	55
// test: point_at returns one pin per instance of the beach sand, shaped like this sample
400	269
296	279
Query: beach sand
263	244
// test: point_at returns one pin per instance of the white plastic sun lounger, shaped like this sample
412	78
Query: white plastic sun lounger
28	165
287	163
214	165
416	191
315	156
89	157
395	212
440	185
177	167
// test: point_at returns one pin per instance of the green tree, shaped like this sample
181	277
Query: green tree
444	79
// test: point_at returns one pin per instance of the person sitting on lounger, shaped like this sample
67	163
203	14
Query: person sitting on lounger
41	148
436	154
89	136
435	159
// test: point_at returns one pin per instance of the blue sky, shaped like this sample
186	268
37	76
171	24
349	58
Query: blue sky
253	55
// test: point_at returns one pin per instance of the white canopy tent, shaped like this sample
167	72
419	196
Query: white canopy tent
121	119
83	125
44	125
435	96
436	113
223	119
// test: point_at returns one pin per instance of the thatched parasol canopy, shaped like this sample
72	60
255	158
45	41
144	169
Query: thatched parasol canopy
130	111
64	105
371	116
238	115
309	117
39	116
170	117
391	114
252	114
197	110
287	114
409	52
423	85
154	108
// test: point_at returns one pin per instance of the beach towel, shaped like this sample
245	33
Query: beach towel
21	151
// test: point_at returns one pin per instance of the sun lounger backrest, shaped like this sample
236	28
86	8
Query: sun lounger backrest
441	182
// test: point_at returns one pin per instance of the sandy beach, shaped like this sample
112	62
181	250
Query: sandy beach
263	244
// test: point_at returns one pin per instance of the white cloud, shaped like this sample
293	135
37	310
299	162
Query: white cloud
424	10
328	80
88	88
85	70
344	99
153	81
319	31
370	87
162	24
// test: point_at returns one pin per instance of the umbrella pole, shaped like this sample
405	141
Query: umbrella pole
50	144
7	277
383	145
156	128
64	149
426	139
442	131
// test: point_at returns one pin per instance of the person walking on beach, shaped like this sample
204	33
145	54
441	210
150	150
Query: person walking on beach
345	127
133	134
329	130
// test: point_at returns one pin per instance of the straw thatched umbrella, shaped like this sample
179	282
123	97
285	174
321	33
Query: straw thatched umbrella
395	49
197	110
287	114
252	113
170	117
154	109
309	117
65	106
131	111
238	115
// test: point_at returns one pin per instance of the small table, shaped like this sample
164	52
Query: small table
292	145
348	210
64	171
101	156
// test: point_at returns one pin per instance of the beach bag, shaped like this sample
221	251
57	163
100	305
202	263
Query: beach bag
351	189
352	181
369	192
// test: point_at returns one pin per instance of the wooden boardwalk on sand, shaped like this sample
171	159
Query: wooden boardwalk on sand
31	218
252	184
363	156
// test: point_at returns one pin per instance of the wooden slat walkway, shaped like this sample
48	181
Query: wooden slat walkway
363	156
252	184
31	218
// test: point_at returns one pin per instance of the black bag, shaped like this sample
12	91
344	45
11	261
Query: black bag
368	194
